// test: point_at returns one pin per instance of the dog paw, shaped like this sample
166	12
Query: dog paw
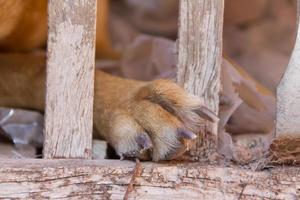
157	122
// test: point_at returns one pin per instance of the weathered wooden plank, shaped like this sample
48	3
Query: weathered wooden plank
286	146
199	60
107	179
70	79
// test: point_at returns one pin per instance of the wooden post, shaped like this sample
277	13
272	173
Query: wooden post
286	146
70	79
200	54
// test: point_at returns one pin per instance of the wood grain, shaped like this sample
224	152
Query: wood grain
286	146
288	94
199	60
107	179
70	79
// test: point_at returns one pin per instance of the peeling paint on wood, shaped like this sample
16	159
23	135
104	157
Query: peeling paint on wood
199	60
107	179
70	79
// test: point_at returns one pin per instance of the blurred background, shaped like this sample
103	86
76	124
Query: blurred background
258	34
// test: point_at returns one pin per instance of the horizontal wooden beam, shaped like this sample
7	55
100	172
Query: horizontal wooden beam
107	179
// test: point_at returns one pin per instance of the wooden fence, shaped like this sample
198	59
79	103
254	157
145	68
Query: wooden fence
68	122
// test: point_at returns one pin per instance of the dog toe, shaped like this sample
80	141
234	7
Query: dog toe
128	138
158	122
168	134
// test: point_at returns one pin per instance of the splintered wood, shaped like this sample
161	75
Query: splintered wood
70	79
199	60
90	179
286	146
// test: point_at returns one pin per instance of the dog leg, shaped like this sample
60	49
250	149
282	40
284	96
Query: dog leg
151	120
22	81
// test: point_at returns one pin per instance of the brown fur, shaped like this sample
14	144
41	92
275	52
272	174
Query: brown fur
159	112
150	120
23	26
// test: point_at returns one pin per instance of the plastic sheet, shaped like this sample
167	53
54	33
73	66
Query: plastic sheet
21	133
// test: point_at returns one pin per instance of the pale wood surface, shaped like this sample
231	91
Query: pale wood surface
286	147
107	179
70	79
288	94
199	59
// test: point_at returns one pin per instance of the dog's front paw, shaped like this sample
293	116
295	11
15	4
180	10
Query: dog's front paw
157	122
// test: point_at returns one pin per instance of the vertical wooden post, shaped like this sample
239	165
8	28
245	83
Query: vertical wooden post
70	78
200	54
286	146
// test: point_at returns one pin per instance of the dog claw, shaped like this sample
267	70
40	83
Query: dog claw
207	114
130	154
186	134
144	141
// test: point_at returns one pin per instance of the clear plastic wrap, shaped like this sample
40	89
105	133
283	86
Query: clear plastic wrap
21	133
